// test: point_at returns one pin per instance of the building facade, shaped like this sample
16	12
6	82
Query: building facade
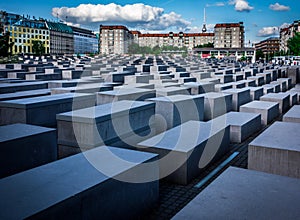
61	38
114	39
287	33
188	40
229	35
25	31
268	46
85	41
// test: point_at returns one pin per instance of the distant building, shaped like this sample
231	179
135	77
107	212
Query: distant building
287	33
229	35
188	40
61	38
25	31
85	41
114	39
8	18
229	53
268	46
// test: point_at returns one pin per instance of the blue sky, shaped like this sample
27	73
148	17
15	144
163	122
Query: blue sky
261	17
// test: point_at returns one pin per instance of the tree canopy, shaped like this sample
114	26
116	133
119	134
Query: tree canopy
38	47
5	46
294	44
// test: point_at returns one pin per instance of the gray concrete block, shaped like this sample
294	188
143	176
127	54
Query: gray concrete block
242	124
110	124
283	99
135	94
268	110
24	147
256	92
245	194
277	150
42	110
239	97
216	104
185	150
89	185
177	109
293	115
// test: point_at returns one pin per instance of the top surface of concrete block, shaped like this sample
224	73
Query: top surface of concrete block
177	139
124	91
214	95
235	91
44	100
280	135
246	194
16	131
260	104
55	182
105	111
173	98
275	96
293	113
239	118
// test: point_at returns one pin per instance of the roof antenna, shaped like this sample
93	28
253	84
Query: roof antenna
204	23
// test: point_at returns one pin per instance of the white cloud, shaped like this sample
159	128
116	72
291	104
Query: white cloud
241	5
267	31
217	4
278	7
133	15
284	25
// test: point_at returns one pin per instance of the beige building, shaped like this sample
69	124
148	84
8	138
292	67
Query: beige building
114	39
268	46
25	31
287	33
229	35
188	40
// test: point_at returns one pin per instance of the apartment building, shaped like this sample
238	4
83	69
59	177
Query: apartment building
189	40
269	45
229	35
25	31
114	39
287	33
61	38
85	41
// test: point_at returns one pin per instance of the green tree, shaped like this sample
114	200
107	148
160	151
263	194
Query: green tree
294	44
5	46
38	47
259	55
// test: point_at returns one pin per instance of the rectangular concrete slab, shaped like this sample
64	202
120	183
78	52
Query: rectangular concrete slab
177	109
283	99
104	124
242	124
216	104
277	150
239	97
293	115
185	150
42	110
24	147
268	110
245	194
90	185
135	94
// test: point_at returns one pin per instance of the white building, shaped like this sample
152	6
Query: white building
114	39
229	35
287	33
